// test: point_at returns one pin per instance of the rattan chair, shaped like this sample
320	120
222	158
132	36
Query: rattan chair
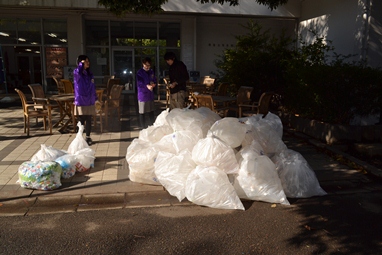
30	111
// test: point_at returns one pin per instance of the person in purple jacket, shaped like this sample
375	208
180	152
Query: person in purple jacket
146	82
84	94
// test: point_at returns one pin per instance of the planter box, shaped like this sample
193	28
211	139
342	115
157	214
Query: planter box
332	133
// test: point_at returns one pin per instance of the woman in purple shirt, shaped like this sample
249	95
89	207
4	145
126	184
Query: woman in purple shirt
84	94
146	82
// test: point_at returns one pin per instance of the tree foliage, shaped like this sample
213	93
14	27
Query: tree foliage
121	7
310	80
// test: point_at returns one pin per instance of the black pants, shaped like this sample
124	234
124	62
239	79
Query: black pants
86	120
142	119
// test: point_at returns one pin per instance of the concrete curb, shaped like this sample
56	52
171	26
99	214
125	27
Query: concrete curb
88	202
372	170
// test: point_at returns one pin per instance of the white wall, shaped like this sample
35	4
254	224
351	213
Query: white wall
339	21
215	34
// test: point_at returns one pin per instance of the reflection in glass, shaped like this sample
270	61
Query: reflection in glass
169	34
8	28
99	62
97	32
123	67
29	31
146	33
122	33
55	32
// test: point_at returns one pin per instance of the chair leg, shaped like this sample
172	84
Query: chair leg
25	124
28	126
44	123
100	121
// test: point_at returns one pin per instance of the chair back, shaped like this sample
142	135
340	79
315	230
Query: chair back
205	101
99	93
199	88
110	83
60	85
264	102
68	86
23	100
222	89
115	95
37	91
244	95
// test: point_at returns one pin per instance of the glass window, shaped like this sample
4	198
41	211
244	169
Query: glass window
99	61
29	31
97	32
55	32
8	28
169	34
146	33
122	33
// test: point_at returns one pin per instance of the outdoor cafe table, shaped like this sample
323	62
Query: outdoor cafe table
65	102
224	100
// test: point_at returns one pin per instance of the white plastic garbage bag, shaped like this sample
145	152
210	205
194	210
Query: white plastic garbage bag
209	118
172	171
266	136
211	151
258	179
161	118
41	175
275	122
78	142
209	186
178	141
297	177
68	165
140	156
185	119
229	130
84	159
47	153
153	134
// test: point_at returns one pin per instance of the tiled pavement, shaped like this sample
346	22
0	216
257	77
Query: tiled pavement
107	184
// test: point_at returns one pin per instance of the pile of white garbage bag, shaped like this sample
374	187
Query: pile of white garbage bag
46	168
216	162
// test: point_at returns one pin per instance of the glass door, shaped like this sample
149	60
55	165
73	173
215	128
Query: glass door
123	68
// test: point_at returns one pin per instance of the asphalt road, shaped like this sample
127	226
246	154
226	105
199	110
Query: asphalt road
341	224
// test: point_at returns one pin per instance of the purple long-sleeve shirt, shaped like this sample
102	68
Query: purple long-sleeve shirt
84	87
144	78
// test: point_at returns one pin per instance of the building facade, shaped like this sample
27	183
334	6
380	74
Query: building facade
42	39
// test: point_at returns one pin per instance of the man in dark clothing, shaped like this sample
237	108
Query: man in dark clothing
178	77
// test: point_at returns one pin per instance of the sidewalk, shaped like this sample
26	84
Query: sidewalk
107	185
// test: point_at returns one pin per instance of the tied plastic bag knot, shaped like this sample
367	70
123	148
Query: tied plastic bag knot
79	142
